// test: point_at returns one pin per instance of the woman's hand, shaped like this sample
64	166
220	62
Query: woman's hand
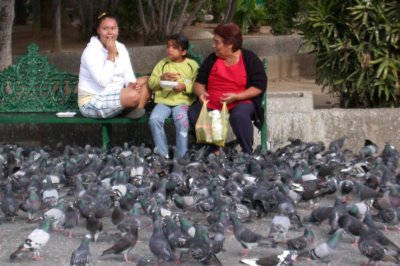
204	96
135	86
229	98
111	48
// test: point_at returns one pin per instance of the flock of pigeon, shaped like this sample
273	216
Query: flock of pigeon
191	205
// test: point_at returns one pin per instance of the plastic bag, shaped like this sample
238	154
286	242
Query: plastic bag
203	126
212	127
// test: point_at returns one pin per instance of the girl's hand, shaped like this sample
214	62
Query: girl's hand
170	76
180	87
229	97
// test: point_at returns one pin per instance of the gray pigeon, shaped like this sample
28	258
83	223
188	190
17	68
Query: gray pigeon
9	203
280	224
325	251
159	244
247	238
374	251
302	242
71	218
201	246
82	256
123	245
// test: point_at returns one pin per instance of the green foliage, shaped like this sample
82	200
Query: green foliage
281	15
129	22
215	8
249	14
357	50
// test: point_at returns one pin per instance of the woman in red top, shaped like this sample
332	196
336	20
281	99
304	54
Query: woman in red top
236	76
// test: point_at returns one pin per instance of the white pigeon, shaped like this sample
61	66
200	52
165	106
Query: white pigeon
35	241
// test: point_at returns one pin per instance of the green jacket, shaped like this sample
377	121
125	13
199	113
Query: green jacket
188	71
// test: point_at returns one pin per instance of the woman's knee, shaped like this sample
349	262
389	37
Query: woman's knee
129	98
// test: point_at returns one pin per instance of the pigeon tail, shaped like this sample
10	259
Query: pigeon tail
17	253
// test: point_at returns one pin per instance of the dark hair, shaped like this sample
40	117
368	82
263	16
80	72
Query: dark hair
180	40
230	34
100	19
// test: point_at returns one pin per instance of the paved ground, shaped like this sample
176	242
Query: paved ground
321	98
59	248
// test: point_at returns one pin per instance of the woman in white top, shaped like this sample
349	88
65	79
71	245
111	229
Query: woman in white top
107	84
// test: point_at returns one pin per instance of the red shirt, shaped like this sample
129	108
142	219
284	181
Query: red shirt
225	79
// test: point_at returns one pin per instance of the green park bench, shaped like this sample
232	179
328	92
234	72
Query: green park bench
32	91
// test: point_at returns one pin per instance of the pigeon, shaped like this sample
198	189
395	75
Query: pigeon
280	224
123	245
200	247
146	260
9	204
376	234
117	215
71	218
345	189
368	150
183	202
325	251
358	209
49	195
31	204
35	241
285	258
131	220
351	225
57	215
365	193
247	238
178	240
389	217
159	244
302	242
94	226
374	251
319	215
82	256
218	240
185	225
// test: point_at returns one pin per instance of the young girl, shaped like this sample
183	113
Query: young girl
172	81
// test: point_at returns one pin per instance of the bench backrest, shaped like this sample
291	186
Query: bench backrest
34	85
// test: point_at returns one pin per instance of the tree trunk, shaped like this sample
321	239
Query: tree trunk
57	43
6	23
192	15
230	11
36	19
20	12
46	15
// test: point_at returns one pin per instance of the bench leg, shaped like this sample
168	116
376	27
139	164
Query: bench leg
106	135
264	129
264	137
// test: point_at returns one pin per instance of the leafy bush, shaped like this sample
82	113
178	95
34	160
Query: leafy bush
281	15
357	50
249	15
129	22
